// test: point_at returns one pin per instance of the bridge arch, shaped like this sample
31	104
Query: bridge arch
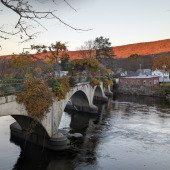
98	93
79	99
28	124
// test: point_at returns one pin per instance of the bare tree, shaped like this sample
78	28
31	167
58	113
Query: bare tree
87	49
28	14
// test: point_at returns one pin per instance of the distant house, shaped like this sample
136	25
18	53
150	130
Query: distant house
146	72
61	73
120	73
123	74
145	81
139	85
132	73
163	75
139	72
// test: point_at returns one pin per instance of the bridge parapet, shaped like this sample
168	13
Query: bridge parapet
7	99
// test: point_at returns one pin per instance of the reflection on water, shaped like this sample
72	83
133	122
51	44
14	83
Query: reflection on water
128	133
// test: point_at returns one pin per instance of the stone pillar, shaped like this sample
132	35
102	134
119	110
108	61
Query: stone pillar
108	92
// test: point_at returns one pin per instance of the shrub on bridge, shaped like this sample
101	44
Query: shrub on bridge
94	82
36	97
72	81
61	87
107	82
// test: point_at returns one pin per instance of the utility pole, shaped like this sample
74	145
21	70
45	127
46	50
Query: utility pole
140	69
164	69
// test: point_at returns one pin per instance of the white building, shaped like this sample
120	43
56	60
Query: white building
163	75
61	73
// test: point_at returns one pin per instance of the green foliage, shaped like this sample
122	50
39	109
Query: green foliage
61	87
36	97
58	46
107	82
160	62
91	64
103	48
39	48
94	82
71	67
114	81
88	64
134	56
22	61
165	89
57	50
65	61
72	81
27	66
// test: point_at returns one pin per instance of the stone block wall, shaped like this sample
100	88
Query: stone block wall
139	90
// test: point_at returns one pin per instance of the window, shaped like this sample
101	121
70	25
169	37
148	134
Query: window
155	81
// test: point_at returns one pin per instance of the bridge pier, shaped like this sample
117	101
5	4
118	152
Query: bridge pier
108	92
21	136
99	94
101	98
86	109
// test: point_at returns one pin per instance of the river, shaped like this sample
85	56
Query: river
130	133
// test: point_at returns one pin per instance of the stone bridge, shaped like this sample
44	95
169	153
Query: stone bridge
80	96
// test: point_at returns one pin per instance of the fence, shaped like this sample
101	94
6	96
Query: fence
13	86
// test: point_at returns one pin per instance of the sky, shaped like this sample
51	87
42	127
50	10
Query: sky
122	21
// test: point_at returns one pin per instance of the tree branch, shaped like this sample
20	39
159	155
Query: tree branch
26	12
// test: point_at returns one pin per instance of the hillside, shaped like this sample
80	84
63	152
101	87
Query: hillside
146	48
124	51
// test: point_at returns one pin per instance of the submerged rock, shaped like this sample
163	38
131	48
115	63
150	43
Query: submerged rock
75	136
168	97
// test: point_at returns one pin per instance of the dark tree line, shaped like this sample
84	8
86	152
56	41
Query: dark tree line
135	62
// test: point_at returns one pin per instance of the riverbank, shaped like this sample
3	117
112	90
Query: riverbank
168	97
161	91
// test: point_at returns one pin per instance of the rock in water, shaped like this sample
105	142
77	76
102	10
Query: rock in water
75	136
